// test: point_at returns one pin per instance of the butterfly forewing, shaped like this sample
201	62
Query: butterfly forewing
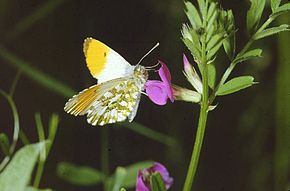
103	62
115	105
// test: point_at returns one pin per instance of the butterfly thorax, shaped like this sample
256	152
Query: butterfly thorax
140	76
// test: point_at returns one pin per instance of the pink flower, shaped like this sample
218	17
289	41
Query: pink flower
143	179
159	91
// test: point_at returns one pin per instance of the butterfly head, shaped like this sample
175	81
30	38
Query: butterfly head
141	73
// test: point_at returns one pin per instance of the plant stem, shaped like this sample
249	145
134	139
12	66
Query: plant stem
201	123
105	156
39	173
16	129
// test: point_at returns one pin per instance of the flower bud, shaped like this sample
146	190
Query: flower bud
144	176
187	95
191	75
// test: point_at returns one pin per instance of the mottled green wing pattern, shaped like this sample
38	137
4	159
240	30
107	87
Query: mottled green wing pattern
116	104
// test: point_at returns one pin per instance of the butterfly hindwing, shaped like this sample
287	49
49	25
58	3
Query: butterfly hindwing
116	105
80	103
103	62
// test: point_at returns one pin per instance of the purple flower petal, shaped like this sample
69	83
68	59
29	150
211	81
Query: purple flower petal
186	63
157	167
157	92
165	76
164	73
160	91
144	176
140	185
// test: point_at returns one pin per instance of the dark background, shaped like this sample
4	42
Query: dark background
239	145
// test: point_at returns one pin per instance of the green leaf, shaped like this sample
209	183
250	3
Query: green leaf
17	173
210	31
132	171
79	175
122	189
271	31
193	15
119	177
41	136
36	189
211	75
254	14
52	129
215	39
247	55
214	50
275	4
156	182
235	85
203	8
4	143
191	35
230	41
193	49
281	10
211	10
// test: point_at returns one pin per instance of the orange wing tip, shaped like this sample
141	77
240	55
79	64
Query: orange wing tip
96	54
80	103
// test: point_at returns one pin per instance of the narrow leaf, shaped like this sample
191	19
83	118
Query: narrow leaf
27	22
214	50
235	85
157	183
213	41
192	48
4	143
41	135
202	4
281	10
193	15
79	175
271	31
275	4
119	178
149	133
254	14
132	171
211	9
211	75
230	41
39	77
16	127
53	126
247	55
211	29
17	173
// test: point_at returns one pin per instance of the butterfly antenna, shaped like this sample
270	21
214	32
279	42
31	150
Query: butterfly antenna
152	67
156	45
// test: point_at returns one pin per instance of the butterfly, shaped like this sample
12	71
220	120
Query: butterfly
117	95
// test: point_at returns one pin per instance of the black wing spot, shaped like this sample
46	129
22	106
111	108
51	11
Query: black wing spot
105	54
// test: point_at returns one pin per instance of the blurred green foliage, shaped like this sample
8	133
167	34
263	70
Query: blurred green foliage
244	163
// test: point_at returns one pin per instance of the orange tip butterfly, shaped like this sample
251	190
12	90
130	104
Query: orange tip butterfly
117	95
